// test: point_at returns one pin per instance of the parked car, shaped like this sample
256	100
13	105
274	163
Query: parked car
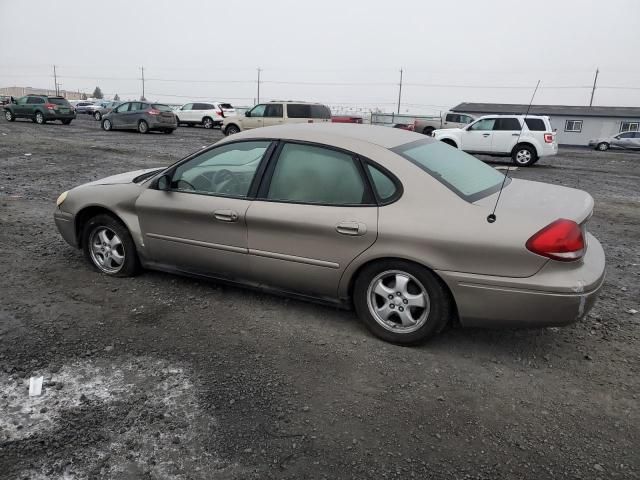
208	115
624	140
5	99
404	126
41	109
525	140
83	107
444	120
141	116
105	107
389	221
276	113
346	119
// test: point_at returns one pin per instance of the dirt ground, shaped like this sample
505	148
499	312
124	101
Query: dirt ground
160	376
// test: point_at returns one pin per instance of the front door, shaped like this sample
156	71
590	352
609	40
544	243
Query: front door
21	109
477	137
185	114
118	118
198	224
314	215
255	117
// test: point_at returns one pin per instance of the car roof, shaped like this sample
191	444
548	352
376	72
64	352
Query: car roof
512	116
296	101
341	134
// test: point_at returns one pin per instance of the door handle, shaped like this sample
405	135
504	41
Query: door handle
226	215
351	228
515	134
486	134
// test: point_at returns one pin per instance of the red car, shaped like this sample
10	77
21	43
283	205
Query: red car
346	119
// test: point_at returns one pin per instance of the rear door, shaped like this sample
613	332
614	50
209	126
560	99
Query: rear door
134	115
506	131
477	137
314	214
273	115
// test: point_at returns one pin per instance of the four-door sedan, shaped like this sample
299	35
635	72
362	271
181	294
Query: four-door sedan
624	140
389	221
141	116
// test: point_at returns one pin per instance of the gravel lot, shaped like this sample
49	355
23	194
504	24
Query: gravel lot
161	377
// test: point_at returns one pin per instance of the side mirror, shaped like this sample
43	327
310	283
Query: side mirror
164	182
247	113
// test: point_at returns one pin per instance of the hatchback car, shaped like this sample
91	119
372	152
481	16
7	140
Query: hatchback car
277	113
40	109
141	116
624	140
389	221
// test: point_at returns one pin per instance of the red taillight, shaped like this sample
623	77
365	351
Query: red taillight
548	137
153	111
561	240
50	106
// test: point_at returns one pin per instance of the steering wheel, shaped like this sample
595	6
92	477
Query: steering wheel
221	176
184	185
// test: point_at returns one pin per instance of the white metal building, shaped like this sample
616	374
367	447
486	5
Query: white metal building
574	125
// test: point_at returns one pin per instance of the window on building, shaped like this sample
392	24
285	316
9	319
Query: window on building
573	126
629	126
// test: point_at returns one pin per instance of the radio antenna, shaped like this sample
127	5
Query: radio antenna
492	216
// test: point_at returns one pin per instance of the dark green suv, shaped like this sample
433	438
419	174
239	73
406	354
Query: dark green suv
40	109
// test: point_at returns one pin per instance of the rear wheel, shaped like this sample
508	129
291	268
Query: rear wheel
66	122
143	127
97	116
603	146
207	122
8	114
401	302
106	125
231	129
177	121
524	155
108	246
39	117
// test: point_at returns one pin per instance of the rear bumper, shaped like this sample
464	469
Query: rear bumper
66	226
59	116
157	125
558	294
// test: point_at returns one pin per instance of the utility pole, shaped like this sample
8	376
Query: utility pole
142	70
593	90
259	70
400	92
55	79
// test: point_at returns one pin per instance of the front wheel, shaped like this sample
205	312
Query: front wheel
8	114
97	116
207	123
107	125
401	302
603	146
231	129
524	155
143	127
108	246
40	118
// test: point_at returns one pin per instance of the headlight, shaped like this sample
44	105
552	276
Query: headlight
61	198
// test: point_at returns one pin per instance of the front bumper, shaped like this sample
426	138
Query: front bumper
66	226
558	294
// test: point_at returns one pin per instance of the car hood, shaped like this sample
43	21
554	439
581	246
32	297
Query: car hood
121	178
446	130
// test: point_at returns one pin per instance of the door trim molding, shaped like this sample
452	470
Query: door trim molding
198	243
293	258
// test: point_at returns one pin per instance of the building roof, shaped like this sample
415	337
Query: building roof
550	110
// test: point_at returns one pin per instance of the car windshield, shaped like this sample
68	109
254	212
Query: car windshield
462	173
162	108
58	101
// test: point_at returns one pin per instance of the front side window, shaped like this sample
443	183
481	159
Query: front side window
257	111
629	126
465	175
122	108
273	110
22	100
573	126
316	175
483	125
227	170
187	107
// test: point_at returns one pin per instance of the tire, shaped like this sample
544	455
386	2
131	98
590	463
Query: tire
66	122
39	118
177	121
231	129
143	127
107	126
524	155
419	282
602	146
113	253
450	142
8	114
428	131
97	116
207	122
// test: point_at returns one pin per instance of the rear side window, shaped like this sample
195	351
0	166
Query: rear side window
162	108
58	101
466	176
310	174
273	110
385	187
135	106
299	110
535	124
508	123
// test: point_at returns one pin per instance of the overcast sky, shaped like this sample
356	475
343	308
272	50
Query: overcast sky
344	52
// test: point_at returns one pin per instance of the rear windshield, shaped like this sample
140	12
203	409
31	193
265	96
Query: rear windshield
161	107
535	124
295	110
465	175
226	106
58	101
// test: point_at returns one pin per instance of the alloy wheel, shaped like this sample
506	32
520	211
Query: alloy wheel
208	123
523	156
39	118
107	250
398	301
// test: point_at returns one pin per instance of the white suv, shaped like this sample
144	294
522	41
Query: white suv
524	139
207	114
277	113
